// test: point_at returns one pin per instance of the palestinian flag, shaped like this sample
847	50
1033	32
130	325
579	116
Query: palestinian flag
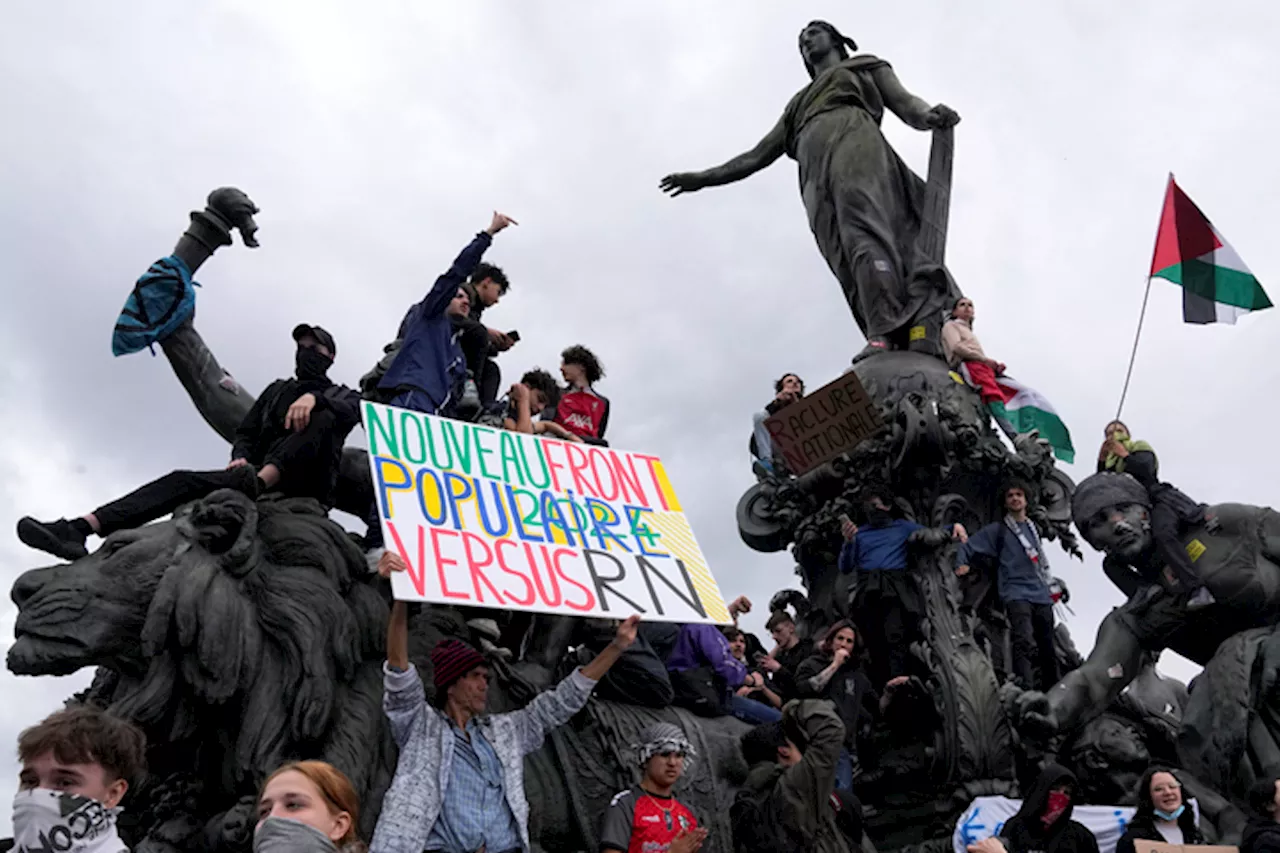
1216	285
1019	408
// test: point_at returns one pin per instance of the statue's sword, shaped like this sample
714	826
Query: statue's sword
932	240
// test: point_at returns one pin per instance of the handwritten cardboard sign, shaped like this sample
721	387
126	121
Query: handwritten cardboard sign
819	427
486	517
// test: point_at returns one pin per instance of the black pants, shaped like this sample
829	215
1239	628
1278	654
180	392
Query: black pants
305	460
1165	530
1031	636
474	342
887	625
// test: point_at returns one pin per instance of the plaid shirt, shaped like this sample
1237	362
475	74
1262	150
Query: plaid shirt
475	811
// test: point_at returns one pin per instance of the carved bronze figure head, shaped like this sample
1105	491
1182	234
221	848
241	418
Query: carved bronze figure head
820	38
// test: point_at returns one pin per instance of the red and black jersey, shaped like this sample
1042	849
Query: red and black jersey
583	412
640	822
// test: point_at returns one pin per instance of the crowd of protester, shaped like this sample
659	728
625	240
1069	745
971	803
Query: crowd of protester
459	783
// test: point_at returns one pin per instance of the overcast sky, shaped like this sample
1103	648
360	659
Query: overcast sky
377	140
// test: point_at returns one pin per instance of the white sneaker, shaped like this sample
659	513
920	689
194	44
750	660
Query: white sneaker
1200	598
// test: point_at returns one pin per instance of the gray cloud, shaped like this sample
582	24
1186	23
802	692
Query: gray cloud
378	140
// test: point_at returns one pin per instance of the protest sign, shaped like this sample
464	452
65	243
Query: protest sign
486	517
1141	845
986	816
820	426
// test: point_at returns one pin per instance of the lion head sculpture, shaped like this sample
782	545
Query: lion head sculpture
240	634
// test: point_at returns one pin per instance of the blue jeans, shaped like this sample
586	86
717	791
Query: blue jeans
844	771
753	712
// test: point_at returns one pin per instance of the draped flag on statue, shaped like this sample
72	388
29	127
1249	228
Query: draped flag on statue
1020	408
1217	287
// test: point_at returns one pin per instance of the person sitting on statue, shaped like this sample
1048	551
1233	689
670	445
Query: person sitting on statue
308	807
706	676
1172	512
647	818
1162	814
964	354
786	391
835	673
756	684
481	344
289	442
788	653
77	764
1023	584
1262	833
790	799
874	560
1043	823
533	394
582	410
427	371
459	780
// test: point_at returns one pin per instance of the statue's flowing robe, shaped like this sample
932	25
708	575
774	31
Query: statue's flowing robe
864	204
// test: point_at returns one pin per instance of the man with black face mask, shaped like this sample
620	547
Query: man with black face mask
289	442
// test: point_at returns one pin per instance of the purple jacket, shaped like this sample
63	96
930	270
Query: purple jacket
704	645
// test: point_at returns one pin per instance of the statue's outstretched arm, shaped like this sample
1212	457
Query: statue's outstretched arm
913	110
766	151
1084	693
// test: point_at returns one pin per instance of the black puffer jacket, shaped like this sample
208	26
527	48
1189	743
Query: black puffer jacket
1026	833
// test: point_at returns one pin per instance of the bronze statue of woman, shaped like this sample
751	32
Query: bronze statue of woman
864	204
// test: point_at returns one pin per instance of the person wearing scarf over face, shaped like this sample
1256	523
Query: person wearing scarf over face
647	818
307	807
1043	824
1162	815
289	442
1172	512
1262	834
77	765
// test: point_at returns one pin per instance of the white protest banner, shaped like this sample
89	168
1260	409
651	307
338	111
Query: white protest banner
486	517
986	816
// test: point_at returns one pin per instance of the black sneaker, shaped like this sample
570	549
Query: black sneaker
58	538
244	479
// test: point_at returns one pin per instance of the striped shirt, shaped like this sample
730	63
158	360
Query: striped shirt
475	813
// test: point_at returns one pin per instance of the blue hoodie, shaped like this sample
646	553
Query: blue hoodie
430	359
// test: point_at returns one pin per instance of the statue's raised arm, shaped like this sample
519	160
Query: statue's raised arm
865	206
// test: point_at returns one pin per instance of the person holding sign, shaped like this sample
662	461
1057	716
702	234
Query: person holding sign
290	442
459	783
1162	815
581	410
1043	823
786	390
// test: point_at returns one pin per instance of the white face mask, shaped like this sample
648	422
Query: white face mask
46	821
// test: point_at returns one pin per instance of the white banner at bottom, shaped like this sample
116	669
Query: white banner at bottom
986	816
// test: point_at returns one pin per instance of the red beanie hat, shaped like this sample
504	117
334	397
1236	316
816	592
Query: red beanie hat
452	659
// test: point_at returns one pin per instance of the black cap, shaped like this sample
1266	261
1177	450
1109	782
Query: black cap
303	330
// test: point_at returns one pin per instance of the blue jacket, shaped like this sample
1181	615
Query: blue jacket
1019	579
878	547
430	359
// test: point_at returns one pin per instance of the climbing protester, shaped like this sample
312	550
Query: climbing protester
787	390
1023	584
1172	512
289	442
705	675
785	804
835	673
647	818
874	561
535	392
1262	833
77	764
459	780
308	807
789	651
481	344
582	410
426	371
1043	823
756	684
1162	814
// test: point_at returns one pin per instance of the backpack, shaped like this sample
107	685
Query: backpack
369	382
753	829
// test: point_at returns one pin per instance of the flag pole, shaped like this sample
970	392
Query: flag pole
1133	356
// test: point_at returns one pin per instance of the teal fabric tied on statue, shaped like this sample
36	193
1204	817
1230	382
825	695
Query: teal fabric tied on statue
163	299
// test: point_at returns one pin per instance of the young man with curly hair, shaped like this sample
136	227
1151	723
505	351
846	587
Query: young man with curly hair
582	411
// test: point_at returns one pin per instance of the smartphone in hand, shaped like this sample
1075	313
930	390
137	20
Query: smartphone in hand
514	335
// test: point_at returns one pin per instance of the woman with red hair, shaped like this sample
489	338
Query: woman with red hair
308	806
